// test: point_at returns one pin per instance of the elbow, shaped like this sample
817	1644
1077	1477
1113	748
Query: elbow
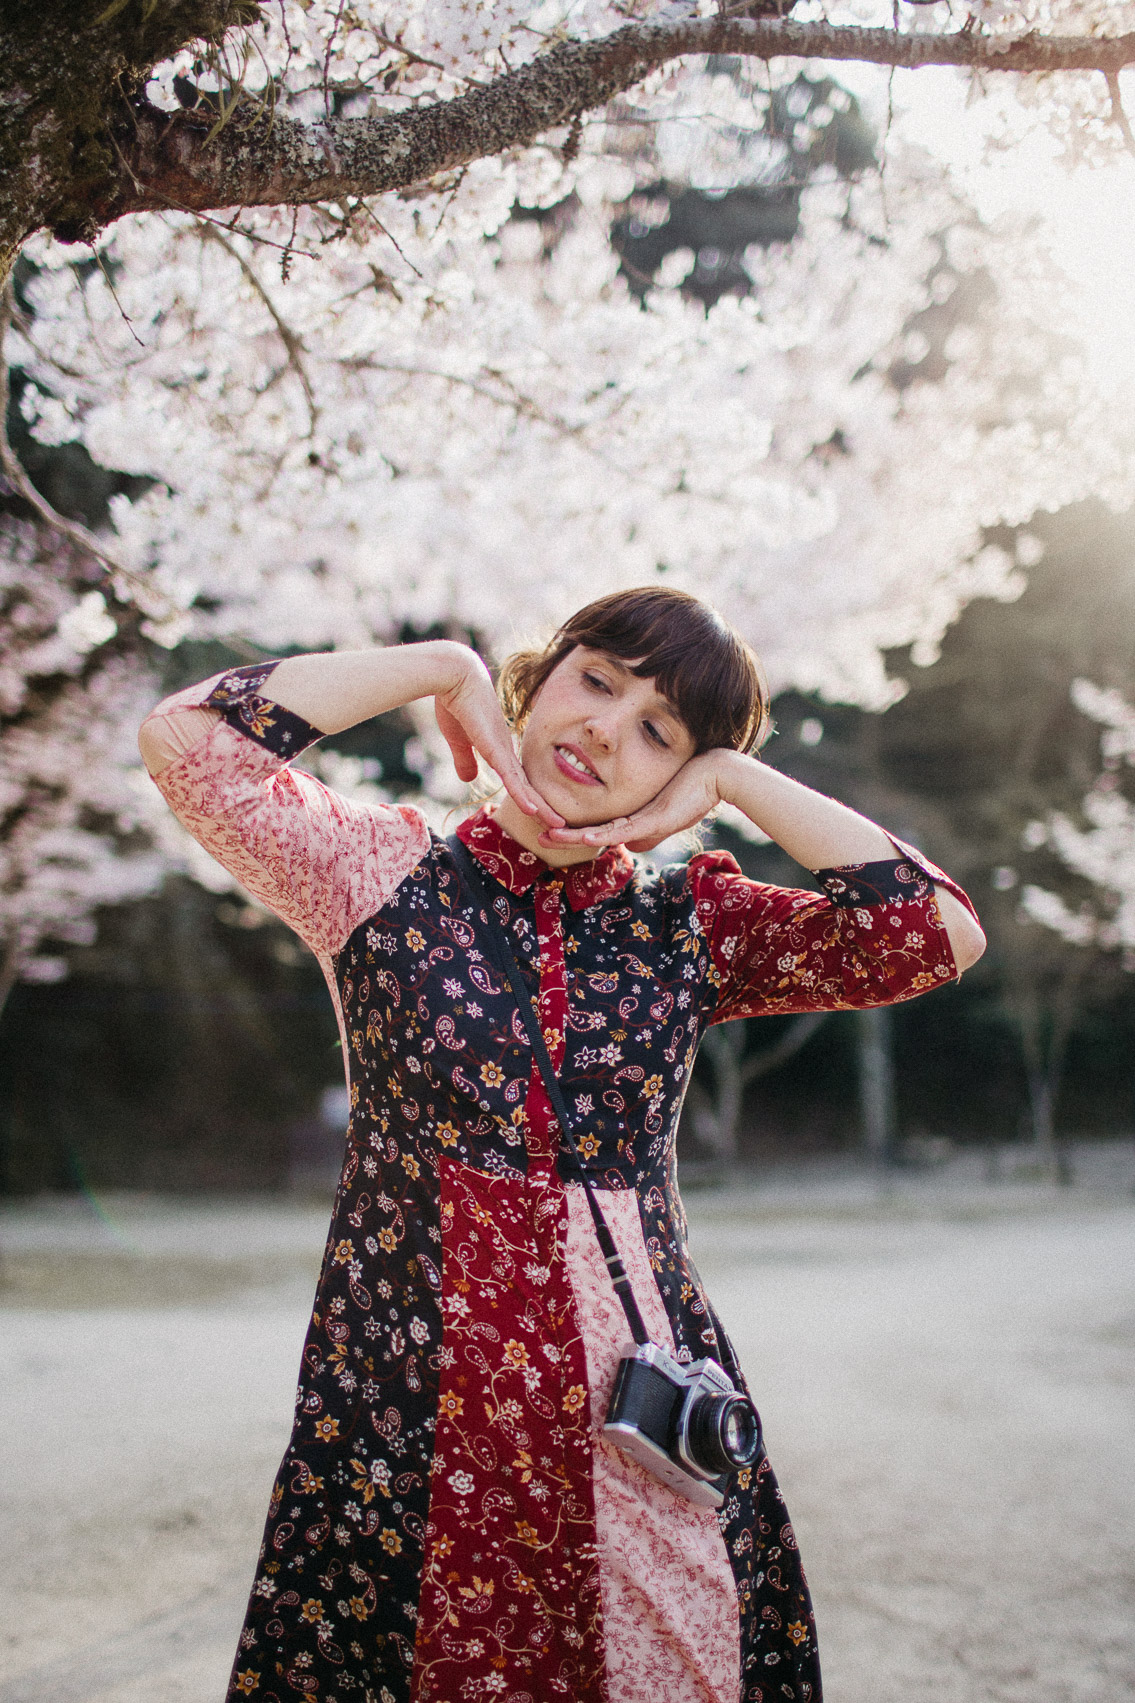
166	734
967	942
151	745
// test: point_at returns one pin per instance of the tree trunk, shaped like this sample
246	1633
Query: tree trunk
717	1115
877	1085
1045	1035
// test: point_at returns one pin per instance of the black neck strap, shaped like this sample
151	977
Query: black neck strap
506	962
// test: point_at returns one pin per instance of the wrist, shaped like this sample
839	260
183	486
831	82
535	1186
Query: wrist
733	775
451	666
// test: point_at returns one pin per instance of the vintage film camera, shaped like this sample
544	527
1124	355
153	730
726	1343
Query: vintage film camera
688	1425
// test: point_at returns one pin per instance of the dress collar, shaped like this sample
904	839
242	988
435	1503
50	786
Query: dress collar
517	869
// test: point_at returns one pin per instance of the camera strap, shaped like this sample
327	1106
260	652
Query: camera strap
506	962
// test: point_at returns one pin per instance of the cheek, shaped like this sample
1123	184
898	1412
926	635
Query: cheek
648	773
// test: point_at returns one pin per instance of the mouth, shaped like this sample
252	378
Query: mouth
571	762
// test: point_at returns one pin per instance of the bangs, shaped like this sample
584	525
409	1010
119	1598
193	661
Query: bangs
705	669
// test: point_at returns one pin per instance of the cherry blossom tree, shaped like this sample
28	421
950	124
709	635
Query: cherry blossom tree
336	282
1099	851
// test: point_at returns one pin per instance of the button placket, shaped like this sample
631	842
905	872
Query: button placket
541	1127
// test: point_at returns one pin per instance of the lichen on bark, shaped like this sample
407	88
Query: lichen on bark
66	77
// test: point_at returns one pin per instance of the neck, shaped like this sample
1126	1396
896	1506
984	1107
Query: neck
526	830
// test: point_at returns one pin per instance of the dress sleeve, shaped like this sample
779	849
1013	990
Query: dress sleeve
220	754
872	937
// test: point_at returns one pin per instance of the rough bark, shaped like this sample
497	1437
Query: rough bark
66	73
80	146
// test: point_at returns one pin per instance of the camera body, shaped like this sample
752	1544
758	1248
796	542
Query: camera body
688	1425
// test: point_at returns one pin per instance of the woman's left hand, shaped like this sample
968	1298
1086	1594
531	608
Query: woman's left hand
690	795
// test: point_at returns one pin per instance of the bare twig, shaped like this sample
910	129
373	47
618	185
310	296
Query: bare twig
293	343
1117	112
73	530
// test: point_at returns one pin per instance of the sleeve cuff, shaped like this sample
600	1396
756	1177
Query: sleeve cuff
875	883
237	696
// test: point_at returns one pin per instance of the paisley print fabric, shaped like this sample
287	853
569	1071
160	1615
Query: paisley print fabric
447	1523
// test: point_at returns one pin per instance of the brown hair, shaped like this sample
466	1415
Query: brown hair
710	675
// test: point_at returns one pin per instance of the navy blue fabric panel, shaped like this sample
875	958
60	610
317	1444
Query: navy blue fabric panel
874	883
238	698
339	1576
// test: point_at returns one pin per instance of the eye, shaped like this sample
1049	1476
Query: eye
658	738
596	680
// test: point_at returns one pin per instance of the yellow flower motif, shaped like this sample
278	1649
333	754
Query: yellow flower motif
527	1533
410	1165
797	1631
651	1087
443	1547
575	1398
515	1354
492	1075
358	1607
387	1240
587	1146
312	1610
640	929
344	1253
745	1477
390	1541
451	1405
448	1134
415	941
326	1429
247	1681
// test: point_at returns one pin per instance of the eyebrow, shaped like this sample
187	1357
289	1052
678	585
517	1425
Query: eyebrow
669	707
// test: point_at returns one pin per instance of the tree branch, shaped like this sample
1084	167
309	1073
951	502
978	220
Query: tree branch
789	1044
179	160
293	343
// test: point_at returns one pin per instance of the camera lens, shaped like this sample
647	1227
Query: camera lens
724	1432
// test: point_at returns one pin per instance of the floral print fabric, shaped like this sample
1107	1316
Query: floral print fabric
433	1529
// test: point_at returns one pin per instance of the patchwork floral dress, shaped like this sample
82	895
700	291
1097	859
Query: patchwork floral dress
448	1522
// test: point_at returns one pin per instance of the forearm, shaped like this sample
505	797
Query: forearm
821	833
818	832
336	689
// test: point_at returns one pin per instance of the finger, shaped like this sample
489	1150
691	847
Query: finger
460	745
464	758
598	834
521	790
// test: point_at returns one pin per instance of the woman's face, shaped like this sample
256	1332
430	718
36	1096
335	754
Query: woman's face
600	742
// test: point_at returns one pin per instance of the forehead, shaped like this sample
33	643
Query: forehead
647	685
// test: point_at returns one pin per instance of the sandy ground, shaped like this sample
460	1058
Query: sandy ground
947	1377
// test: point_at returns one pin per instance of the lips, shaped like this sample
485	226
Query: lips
571	762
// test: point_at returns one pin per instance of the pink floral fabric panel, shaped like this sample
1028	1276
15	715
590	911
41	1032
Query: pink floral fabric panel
670	1609
319	861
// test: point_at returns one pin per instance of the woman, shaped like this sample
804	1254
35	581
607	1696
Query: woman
448	1523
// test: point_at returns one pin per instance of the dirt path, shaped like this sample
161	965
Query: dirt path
948	1394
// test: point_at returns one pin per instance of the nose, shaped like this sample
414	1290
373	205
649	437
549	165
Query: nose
601	731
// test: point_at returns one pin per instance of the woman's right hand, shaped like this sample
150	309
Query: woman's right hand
471	722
